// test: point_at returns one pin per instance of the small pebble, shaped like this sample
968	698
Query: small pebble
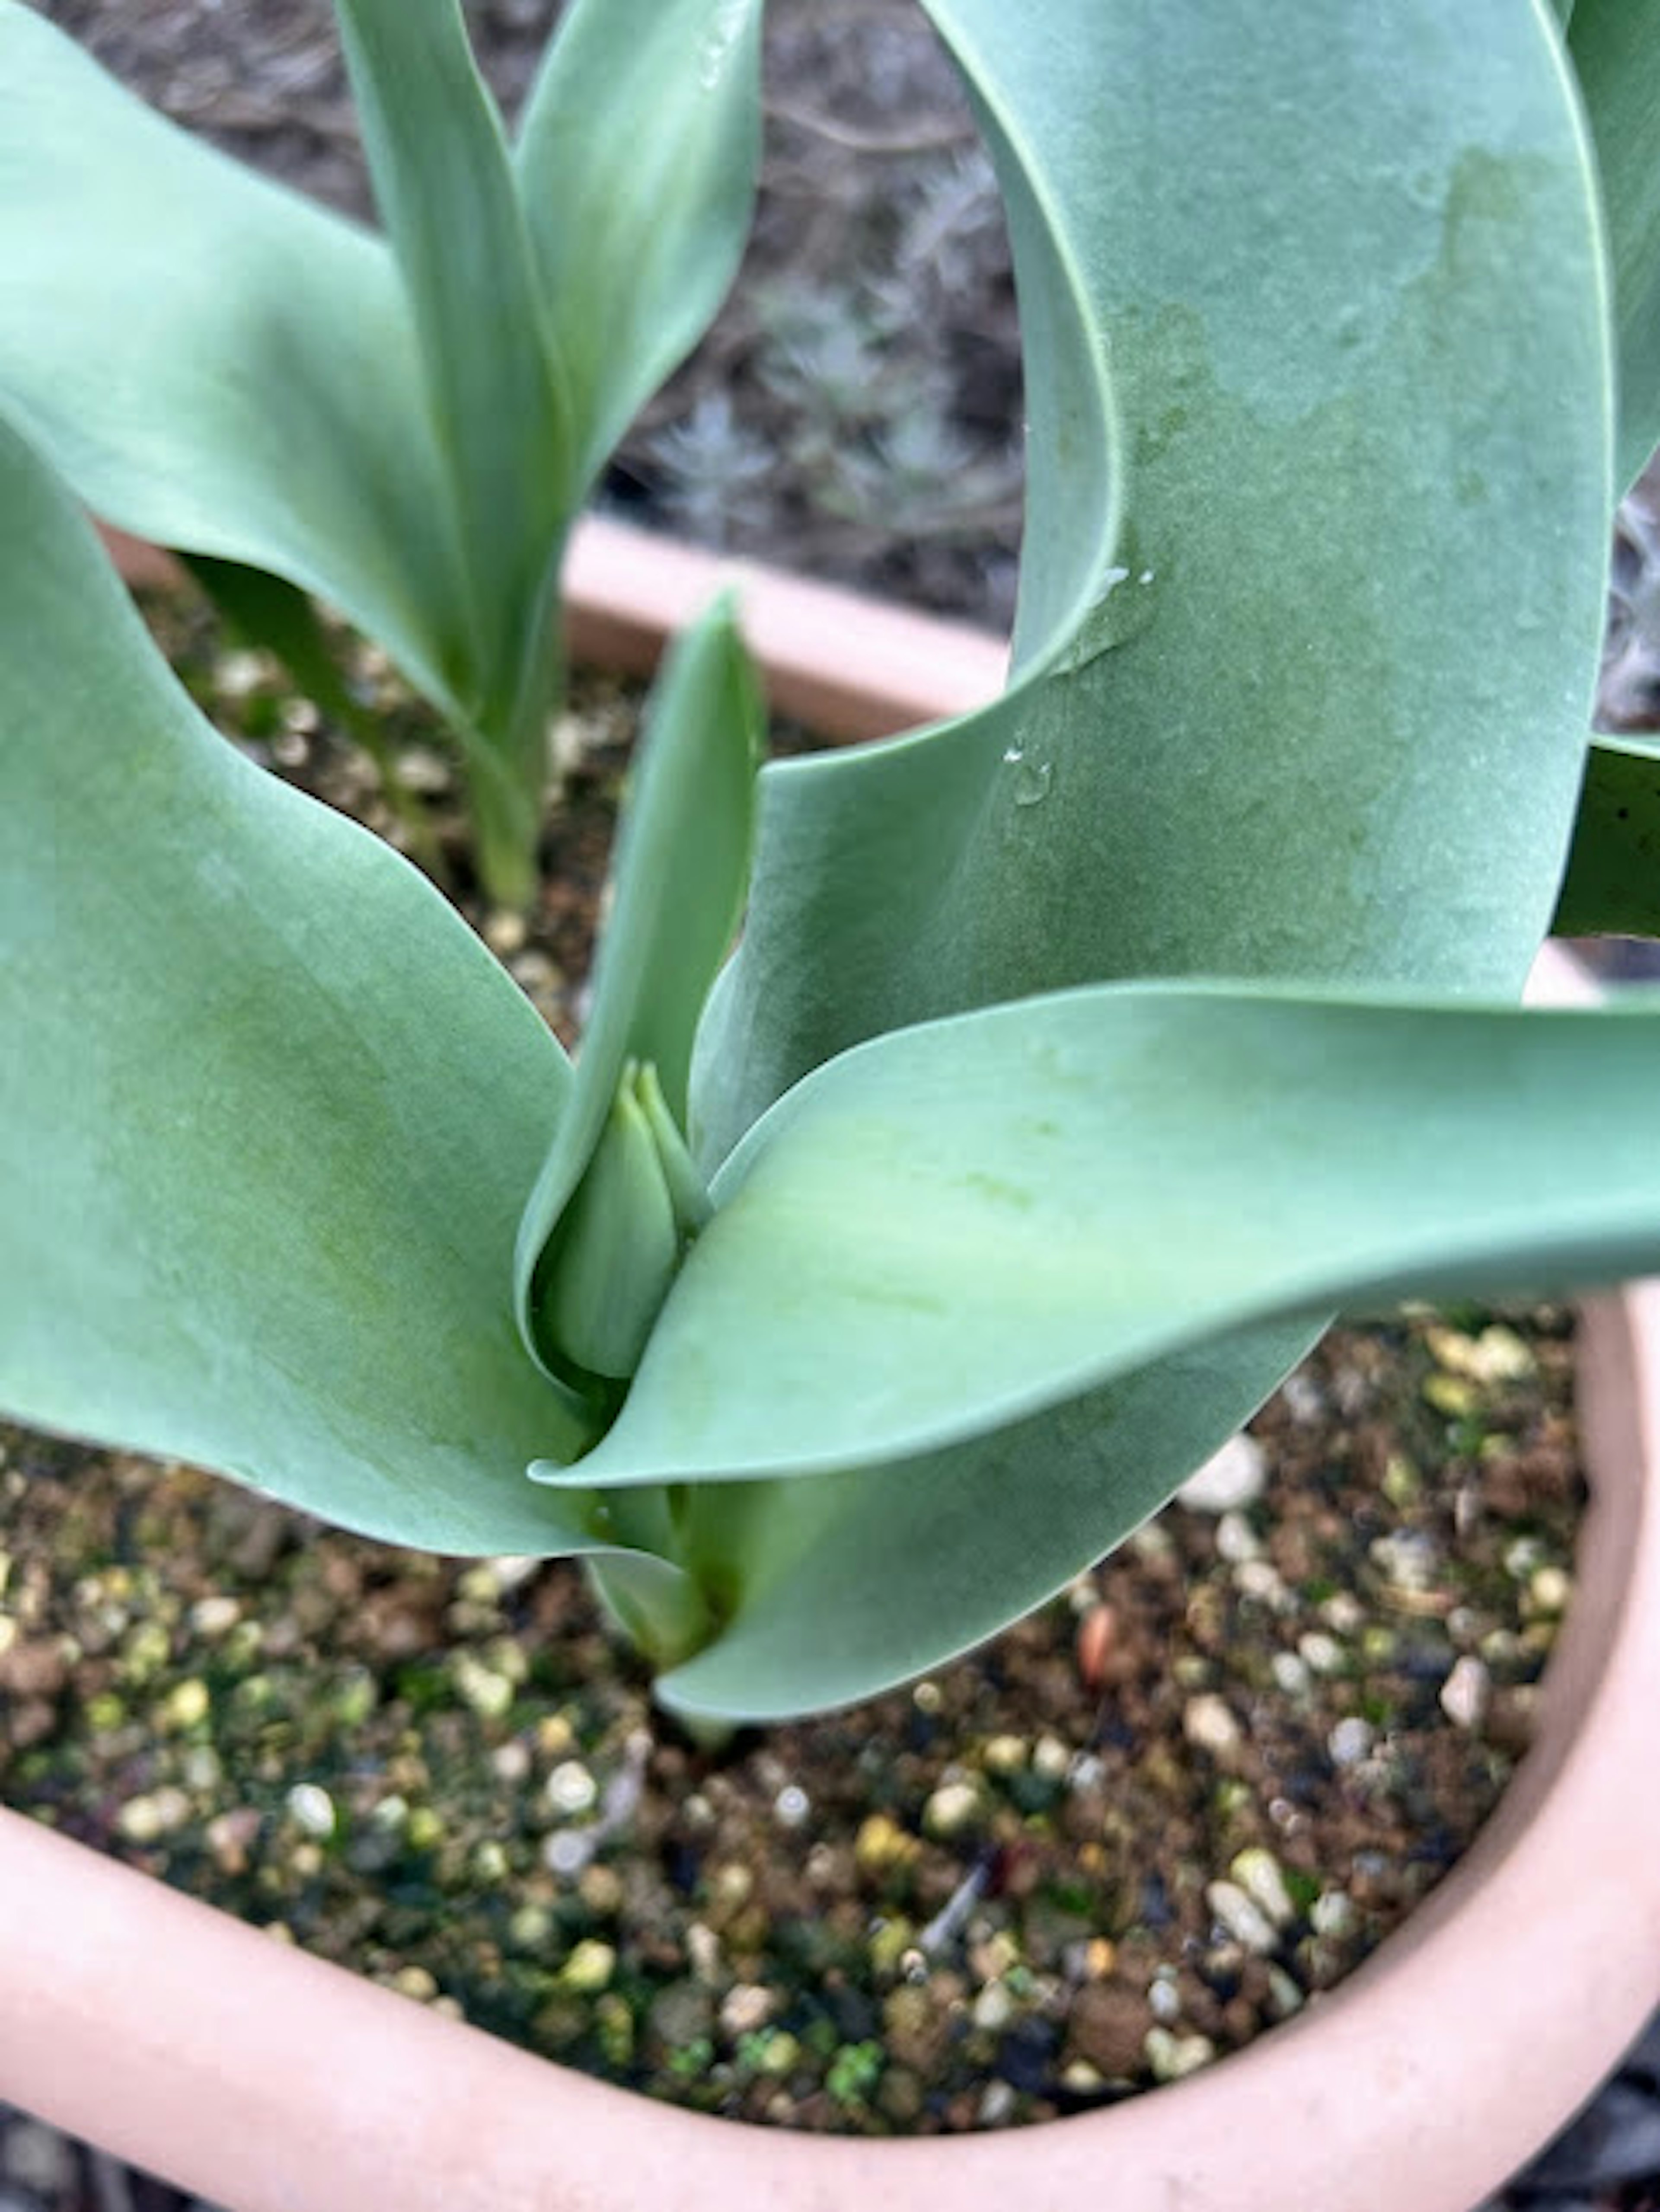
1342	1613
1258	1873
1467	1693
1304	1399
530	1927
147	1819
1173	2058
485	1691
601	1890
1291	1674
1004	1754
792	1807
703	1949
745	2009
589	1968
1350	1740
1261	1580
567	1853
186	1705
997	2103
1164	1999
1411	1558
881	1842
1333	1914
1051	1761
1242	1917
1208	1724
1285	1994
1097	1632
1549	1590
1322	1653
211	1617
571	1789
994	2007
951	1809
1236	1540
1233	1477
312	1810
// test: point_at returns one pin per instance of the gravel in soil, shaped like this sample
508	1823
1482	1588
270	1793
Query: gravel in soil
1162	1814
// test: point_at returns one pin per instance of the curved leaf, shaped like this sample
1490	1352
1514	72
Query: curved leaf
213	361
952	1227
264	1143
447	195
1612	887
678	874
1296	233
637	158
1616	48
834	1589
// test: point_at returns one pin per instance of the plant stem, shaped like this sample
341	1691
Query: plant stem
656	1605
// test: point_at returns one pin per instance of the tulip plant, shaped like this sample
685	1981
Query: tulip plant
1078	1057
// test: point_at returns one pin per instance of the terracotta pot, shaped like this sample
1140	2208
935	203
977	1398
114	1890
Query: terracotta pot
268	2082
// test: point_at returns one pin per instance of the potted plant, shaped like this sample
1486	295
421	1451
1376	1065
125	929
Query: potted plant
1079	1054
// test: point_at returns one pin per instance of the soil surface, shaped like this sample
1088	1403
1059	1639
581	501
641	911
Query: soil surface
1164	1813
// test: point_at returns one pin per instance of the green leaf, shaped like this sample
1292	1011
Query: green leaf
271	1109
834	1589
949	1229
1612	887
211	361
617	1247
679	873
1338	415
445	189
637	158
1615	49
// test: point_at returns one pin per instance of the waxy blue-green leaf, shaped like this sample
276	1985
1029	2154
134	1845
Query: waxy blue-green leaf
636	160
263	1154
950	1228
1612	882
678	874
833	1589
1615	49
1327	716
213	361
445	186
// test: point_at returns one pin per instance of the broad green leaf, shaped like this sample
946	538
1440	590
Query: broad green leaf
952	1227
1616	48
636	159
445	186
264	1144
211	361
833	1589
679	875
1326	717
1612	883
